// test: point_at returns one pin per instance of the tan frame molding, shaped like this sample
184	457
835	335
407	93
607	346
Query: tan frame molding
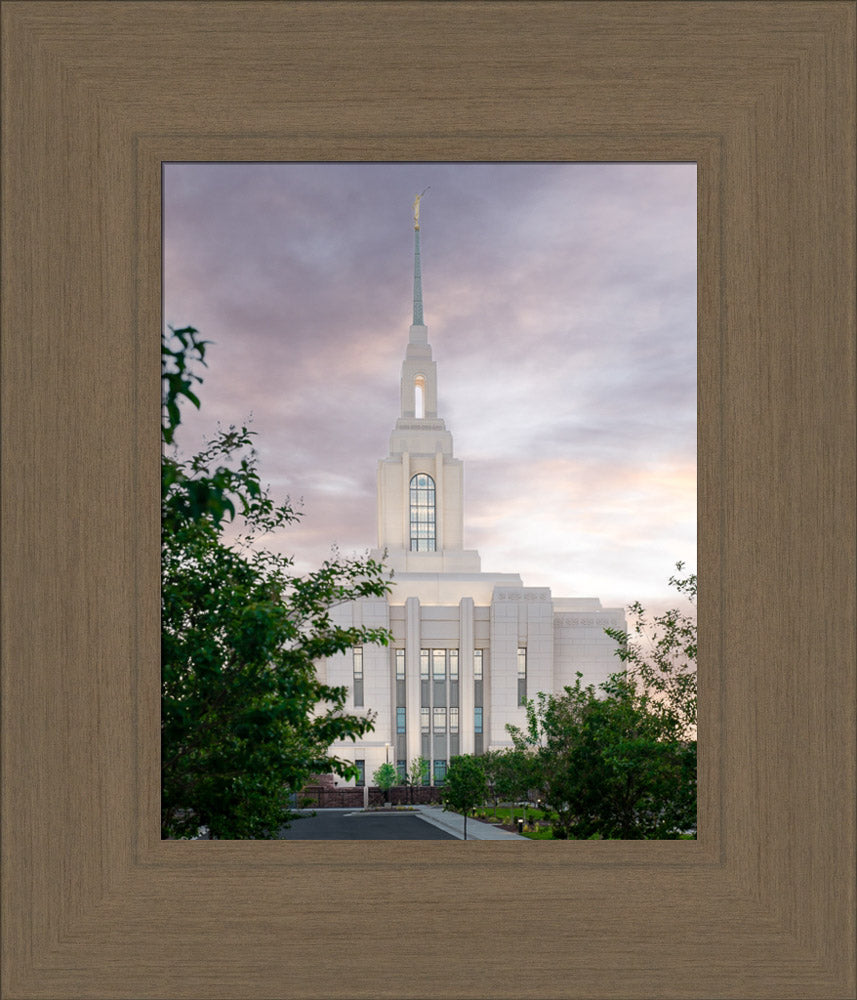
95	97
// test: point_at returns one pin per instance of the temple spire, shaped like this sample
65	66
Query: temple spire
418	279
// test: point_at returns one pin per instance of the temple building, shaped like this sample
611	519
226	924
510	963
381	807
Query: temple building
469	648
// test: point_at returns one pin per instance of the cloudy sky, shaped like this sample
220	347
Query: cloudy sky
560	301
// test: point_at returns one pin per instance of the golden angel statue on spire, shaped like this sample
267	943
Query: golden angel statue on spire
417	208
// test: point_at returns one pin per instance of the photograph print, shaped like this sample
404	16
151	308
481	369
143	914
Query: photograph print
429	501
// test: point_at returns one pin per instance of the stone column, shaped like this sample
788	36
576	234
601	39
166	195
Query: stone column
412	675
439	501
465	674
406	501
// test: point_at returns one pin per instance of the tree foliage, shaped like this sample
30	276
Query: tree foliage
386	777
465	786
510	774
621	761
245	719
418	771
661	654
417	775
607	765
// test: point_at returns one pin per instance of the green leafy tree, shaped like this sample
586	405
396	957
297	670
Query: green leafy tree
511	774
418	774
491	766
464	786
385	778
245	719
661	653
609	764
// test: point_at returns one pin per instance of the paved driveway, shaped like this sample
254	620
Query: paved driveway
347	824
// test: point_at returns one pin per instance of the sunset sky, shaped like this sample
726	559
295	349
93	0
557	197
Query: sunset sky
560	301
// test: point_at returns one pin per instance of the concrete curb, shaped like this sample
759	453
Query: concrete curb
454	823
384	812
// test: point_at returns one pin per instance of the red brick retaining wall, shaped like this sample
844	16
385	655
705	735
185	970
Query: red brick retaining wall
350	797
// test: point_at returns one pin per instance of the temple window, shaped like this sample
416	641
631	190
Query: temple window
423	514
420	397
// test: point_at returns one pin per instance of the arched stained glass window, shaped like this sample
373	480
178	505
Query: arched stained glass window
423	537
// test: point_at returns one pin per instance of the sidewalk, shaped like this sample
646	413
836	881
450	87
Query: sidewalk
453	823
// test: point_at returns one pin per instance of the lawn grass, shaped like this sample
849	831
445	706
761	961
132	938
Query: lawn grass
545	833
540	833
508	815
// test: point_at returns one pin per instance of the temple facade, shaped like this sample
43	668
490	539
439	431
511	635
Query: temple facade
469	648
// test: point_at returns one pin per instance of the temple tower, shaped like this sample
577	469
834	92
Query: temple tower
420	482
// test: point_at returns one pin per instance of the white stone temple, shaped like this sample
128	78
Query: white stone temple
468	647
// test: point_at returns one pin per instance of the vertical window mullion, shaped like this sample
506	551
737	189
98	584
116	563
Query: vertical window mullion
522	675
478	698
357	671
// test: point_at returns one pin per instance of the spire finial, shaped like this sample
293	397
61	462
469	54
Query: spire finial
417	208
418	280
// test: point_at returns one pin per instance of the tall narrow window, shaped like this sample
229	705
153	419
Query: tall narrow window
439	771
453	720
453	677
361	772
400	719
478	698
438	659
420	397
425	677
423	514
424	720
522	675
453	664
400	664
357	664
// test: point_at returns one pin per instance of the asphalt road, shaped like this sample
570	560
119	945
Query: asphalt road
337	824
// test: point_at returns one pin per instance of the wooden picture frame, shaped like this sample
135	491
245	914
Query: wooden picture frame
96	96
